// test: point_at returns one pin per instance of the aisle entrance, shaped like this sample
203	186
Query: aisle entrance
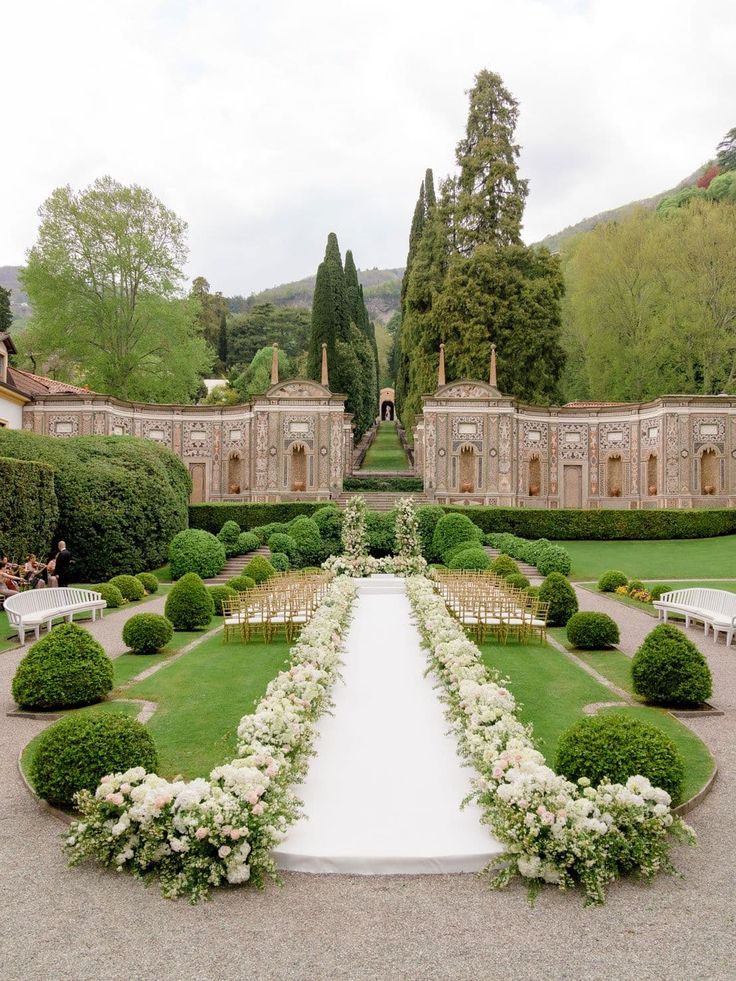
383	793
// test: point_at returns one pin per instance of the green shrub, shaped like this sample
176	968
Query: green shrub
211	517
146	633
614	747
557	591
668	669
220	594
189	606
111	594
534	549
280	562
472	557
517	580
658	591
248	541
504	565
452	530
306	534
196	551
533	591
396	484
428	516
380	528
287	546
29	509
64	669
264	532
241	583
592	631
329	522
229	535
610	581
259	569
76	752
121	499
553	558
634	585
131	588
148	581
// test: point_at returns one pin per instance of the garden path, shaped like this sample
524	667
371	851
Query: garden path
383	793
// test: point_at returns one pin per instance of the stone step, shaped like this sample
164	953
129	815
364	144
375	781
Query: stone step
524	567
234	566
380	500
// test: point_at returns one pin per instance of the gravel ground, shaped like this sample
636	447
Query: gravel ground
87	923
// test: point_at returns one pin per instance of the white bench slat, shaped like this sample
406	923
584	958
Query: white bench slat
714	608
33	607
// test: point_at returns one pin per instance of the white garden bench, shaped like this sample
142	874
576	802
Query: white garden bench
33	607
714	608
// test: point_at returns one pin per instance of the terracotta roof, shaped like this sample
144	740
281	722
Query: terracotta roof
592	405
30	384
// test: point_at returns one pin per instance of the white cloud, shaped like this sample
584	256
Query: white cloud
266	125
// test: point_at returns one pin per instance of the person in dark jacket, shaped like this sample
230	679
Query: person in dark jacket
63	561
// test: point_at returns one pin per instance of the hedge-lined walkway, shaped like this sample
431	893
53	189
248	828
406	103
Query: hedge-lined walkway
88	923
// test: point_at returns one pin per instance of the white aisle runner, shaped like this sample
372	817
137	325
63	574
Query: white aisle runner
383	793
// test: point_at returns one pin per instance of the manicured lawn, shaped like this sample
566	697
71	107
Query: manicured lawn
127	666
386	452
611	664
726	584
6	640
655	560
552	692
201	698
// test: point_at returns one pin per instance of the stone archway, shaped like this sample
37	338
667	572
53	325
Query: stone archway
387	411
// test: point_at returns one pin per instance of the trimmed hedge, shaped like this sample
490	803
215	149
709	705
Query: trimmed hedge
504	565
557	591
111	594
614	747
189	605
248	541
427	516
29	510
452	530
229	535
259	569
592	631
518	580
146	633
329	521
241	583
75	753
472	557
280	562
306	534
130	586
121	499
287	546
380	528
211	517
148	581
196	551
221	593
64	669
553	558
396	484
668	669
658	591
610	581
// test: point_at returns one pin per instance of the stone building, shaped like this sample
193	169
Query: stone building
475	445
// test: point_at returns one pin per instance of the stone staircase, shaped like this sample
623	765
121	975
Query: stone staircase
235	565
381	500
530	571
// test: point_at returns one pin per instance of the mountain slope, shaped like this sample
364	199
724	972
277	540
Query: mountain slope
18	298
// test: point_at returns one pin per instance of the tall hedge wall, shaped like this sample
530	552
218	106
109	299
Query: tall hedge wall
121	499
525	522
29	510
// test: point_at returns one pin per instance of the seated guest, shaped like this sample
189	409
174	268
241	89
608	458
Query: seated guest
52	580
30	567
8	582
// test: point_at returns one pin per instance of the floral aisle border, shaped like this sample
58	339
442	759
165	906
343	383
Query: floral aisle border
196	834
355	561
555	831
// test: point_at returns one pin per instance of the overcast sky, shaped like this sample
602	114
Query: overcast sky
265	125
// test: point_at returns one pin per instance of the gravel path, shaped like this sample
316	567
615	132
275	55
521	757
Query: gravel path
86	923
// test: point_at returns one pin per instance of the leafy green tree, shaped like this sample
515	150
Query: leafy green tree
490	194
256	379
726	152
104	280
6	315
210	309
264	324
222	340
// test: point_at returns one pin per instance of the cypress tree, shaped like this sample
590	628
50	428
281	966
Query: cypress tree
333	262
323	323
222	340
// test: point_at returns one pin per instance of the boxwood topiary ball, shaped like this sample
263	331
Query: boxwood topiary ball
280	562
111	594
560	595
451	530
610	581
241	583
195	550
286	545
148	581
592	631
76	752
658	591
259	569
64	669
504	565
668	669
229	535
472	557
131	588
221	593
189	605
248	541
518	580
614	747
308	538
146	633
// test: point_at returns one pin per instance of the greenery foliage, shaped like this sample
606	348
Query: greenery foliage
229	535
504	566
259	569
241	583
121	499
553	558
329	522
147	633
305	532
557	591
248	541
280	562
668	669
189	605
76	752
110	593
395	484
614	748
287	546
517	580
657	591
592	631
428	515
221	593
64	669
472	557
452	530
131	588
610	581
148	581
210	517
197	551
29	510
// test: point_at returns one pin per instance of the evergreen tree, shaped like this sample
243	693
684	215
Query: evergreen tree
222	340
323	323
6	315
490	193
726	151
